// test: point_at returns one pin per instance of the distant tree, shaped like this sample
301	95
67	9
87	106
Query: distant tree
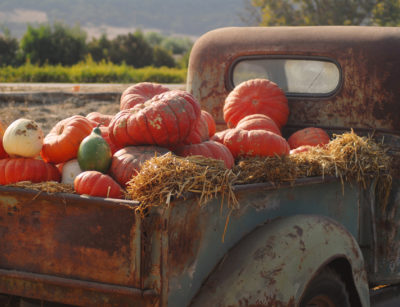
154	38
8	48
132	49
386	13
162	57
177	45
323	12
57	44
183	62
99	48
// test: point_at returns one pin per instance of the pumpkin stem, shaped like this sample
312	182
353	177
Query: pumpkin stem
97	129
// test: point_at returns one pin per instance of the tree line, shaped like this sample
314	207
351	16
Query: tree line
322	12
59	44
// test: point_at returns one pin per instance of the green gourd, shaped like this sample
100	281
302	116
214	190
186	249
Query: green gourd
94	153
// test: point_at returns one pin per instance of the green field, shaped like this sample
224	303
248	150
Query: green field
91	72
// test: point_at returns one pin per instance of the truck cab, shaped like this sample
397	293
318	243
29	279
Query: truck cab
336	78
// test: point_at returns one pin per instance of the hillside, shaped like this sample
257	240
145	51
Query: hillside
182	17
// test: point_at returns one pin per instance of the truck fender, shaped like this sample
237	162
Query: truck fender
273	264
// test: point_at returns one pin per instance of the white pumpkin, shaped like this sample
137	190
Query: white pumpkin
70	170
23	138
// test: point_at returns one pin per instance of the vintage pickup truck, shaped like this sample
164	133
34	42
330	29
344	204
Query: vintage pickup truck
311	243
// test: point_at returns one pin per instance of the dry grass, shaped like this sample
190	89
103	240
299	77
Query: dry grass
165	178
50	187
168	177
348	157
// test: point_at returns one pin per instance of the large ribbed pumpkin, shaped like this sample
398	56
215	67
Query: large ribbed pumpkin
62	142
308	136
258	122
3	153
209	149
220	135
140	93
212	127
251	143
256	96
127	162
165	120
105	134
95	183
99	118
199	133
27	169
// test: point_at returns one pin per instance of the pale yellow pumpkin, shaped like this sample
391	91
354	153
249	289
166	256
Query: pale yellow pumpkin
23	138
70	170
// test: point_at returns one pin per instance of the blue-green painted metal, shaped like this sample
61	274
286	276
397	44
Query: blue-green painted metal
272	265
258	205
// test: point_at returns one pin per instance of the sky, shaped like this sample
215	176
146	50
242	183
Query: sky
178	17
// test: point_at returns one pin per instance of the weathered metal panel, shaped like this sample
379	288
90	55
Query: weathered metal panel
272	265
368	57
70	236
74	292
388	255
197	233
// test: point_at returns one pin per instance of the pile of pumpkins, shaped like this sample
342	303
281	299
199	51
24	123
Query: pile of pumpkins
99	154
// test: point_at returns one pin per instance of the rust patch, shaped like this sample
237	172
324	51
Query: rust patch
267	302
71	236
269	276
266	251
299	230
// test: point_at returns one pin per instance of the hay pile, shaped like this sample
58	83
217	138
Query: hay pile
167	177
348	157
50	187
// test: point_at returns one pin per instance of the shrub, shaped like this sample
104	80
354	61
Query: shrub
89	71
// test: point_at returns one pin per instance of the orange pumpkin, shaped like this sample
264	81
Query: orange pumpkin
127	162
95	183
99	118
258	122
220	135
3	153
27	169
256	96
199	133
209	149
62	142
105	134
165	120
140	93
212	127
300	149
251	143
308	136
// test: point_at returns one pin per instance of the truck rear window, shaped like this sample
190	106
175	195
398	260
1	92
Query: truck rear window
296	76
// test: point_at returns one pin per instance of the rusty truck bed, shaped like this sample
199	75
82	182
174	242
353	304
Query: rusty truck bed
86	250
83	249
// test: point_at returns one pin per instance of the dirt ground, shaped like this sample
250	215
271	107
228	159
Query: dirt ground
49	103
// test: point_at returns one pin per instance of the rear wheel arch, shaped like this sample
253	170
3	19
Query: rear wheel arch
344	269
339	269
274	263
